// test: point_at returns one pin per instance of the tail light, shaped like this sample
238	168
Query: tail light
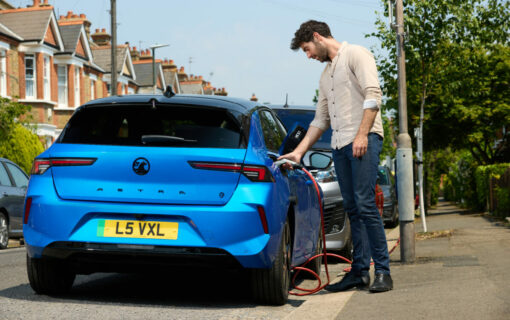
41	165
28	204
263	219
253	172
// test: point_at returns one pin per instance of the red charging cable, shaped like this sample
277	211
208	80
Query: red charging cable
324	254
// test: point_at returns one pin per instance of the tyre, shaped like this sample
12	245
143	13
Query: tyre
271	286
4	231
49	276
394	220
316	264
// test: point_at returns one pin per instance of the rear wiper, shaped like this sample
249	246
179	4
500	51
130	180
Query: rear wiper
155	138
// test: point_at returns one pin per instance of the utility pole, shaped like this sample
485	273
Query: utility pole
113	13
404	149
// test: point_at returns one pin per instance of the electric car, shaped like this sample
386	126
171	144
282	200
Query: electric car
338	231
164	180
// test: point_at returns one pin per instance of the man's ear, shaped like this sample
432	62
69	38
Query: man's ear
317	36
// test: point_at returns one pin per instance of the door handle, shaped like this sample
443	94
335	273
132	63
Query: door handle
5	194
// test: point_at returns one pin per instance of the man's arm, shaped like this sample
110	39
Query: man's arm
360	143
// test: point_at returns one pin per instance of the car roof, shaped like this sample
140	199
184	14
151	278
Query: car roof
292	107
6	160
240	105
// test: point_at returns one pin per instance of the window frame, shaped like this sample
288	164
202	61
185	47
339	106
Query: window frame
65	87
3	73
76	86
33	79
47	78
10	171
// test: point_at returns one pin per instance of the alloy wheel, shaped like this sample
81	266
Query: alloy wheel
4	231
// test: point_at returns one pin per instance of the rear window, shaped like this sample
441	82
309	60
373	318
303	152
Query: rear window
142	125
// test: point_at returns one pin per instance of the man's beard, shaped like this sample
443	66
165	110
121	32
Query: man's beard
322	53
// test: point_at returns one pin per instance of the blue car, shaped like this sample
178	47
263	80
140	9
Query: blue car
163	180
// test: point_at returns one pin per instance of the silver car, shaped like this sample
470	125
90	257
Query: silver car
338	231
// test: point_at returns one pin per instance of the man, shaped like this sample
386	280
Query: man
349	102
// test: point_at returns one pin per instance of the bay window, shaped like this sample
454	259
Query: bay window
30	85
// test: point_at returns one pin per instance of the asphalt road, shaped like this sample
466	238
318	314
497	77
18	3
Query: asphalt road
176	294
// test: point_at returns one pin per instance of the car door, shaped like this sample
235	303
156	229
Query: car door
20	181
274	134
7	192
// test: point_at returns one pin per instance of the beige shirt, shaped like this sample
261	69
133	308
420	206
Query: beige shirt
348	85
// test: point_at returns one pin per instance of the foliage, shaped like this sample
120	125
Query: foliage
21	147
389	132
458	69
459	182
483	176
11	112
316	97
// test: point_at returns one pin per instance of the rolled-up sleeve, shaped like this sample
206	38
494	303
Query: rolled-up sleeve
321	119
362	64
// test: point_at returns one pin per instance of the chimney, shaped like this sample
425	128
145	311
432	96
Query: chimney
146	55
37	3
45	4
101	38
253	97
135	54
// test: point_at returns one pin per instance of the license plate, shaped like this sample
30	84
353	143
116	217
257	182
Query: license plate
137	229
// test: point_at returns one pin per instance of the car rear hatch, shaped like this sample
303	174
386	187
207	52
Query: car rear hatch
141	154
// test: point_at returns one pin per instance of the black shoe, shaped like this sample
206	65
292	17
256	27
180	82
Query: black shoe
382	283
350	280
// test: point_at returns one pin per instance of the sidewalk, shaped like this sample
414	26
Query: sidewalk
461	272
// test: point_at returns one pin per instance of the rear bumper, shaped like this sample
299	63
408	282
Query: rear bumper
235	228
106	257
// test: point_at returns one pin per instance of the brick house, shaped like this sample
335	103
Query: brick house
142	62
102	51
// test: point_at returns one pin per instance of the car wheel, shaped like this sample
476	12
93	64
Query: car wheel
316	264
394	220
4	231
271	286
49	276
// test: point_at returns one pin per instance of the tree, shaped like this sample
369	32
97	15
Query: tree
17	143
11	112
451	53
21	147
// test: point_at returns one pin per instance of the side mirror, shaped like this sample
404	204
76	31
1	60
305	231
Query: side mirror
292	139
320	160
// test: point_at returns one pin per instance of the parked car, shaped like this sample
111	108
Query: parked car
387	184
338	231
169	180
13	185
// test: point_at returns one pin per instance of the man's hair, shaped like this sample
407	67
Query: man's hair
306	30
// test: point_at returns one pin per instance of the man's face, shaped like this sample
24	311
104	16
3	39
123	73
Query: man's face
315	50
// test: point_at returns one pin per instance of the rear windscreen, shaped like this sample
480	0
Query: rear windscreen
142	125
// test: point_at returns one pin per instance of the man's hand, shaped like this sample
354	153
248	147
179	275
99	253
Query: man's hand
292	156
359	145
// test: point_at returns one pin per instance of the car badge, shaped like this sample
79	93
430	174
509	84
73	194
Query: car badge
141	166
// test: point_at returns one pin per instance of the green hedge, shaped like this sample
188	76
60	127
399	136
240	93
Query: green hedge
483	175
21	147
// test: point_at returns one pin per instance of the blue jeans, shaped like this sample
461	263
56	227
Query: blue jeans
357	178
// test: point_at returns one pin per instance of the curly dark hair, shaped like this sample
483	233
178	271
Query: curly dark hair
306	30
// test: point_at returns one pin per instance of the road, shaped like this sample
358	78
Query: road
176	294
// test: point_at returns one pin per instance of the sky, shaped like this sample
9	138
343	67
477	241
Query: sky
242	46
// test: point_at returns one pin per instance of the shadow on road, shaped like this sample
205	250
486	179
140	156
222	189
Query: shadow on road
174	287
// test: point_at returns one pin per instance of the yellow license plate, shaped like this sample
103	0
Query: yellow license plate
137	229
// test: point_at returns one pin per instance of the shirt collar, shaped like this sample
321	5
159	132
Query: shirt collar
342	48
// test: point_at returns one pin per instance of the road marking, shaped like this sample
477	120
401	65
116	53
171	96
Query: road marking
321	306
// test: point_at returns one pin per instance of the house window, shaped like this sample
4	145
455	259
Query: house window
76	86
131	90
92	89
46	78
30	77
108	88
62	86
3	74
